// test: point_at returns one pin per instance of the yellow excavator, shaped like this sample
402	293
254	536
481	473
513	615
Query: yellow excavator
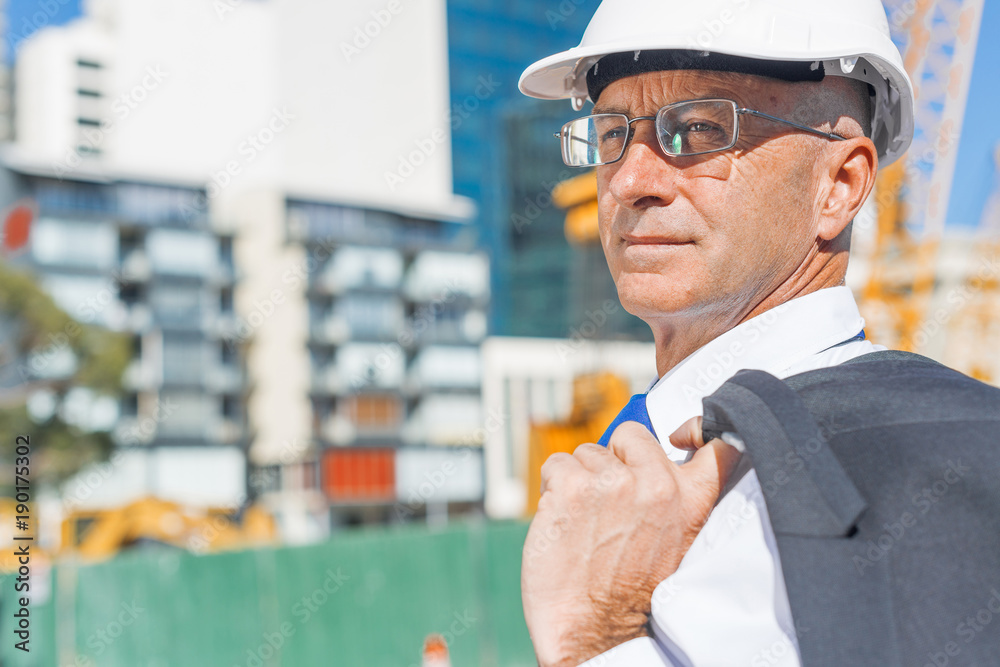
100	534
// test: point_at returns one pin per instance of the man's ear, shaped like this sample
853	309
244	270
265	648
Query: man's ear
850	177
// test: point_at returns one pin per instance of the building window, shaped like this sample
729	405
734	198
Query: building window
226	301
74	243
181	252
374	412
183	360
176	305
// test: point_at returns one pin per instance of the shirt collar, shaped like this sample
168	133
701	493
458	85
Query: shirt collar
774	341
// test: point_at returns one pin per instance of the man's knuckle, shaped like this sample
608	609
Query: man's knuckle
658	490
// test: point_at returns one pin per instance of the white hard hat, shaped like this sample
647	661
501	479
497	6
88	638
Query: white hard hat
847	38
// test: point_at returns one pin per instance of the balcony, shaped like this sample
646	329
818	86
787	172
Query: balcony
447	277
224	379
446	420
445	367
330	331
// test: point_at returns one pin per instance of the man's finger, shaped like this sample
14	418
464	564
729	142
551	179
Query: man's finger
634	445
688	436
556	466
596	458
711	466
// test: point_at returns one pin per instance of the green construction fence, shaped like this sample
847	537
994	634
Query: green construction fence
366	598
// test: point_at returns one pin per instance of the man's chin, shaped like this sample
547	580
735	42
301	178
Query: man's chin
656	296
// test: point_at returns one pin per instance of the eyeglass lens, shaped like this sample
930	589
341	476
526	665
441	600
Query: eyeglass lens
684	129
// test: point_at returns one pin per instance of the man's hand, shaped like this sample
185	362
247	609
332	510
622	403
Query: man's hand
611	525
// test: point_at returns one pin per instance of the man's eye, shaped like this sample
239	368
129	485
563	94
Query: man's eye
698	126
613	135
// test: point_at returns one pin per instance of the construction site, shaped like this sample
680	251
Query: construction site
368	459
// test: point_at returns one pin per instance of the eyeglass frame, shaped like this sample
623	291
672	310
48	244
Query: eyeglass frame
738	111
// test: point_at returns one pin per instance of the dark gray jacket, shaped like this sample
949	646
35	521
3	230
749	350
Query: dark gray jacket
881	477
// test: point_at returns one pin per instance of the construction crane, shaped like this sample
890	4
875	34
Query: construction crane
975	330
938	40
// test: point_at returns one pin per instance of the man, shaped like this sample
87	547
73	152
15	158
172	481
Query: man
734	144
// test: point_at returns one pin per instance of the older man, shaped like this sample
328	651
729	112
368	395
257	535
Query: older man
734	142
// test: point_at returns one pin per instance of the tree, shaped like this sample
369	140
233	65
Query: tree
47	356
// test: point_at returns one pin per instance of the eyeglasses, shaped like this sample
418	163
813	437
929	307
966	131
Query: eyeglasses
683	129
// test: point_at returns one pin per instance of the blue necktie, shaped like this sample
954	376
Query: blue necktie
634	411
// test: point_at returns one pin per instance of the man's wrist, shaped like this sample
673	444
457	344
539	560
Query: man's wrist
593	639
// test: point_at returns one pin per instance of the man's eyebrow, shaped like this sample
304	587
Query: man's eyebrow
613	109
711	94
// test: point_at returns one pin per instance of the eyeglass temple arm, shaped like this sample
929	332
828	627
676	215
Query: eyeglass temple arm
805	128
559	135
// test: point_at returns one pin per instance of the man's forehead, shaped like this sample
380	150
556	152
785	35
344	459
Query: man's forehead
656	89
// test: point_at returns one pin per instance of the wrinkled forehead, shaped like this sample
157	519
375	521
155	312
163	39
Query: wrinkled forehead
644	93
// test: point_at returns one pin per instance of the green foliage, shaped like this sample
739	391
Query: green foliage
58	450
41	328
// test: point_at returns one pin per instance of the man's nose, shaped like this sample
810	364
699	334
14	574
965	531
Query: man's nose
644	176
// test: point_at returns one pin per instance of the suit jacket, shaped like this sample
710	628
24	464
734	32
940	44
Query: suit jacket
881	477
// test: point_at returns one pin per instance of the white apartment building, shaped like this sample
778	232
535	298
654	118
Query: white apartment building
306	147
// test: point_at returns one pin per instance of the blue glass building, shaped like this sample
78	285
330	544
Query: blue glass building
506	159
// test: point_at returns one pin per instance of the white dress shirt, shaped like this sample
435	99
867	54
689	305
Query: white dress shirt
726	604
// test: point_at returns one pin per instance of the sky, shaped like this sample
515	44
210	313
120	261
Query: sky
976	175
975	171
24	17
